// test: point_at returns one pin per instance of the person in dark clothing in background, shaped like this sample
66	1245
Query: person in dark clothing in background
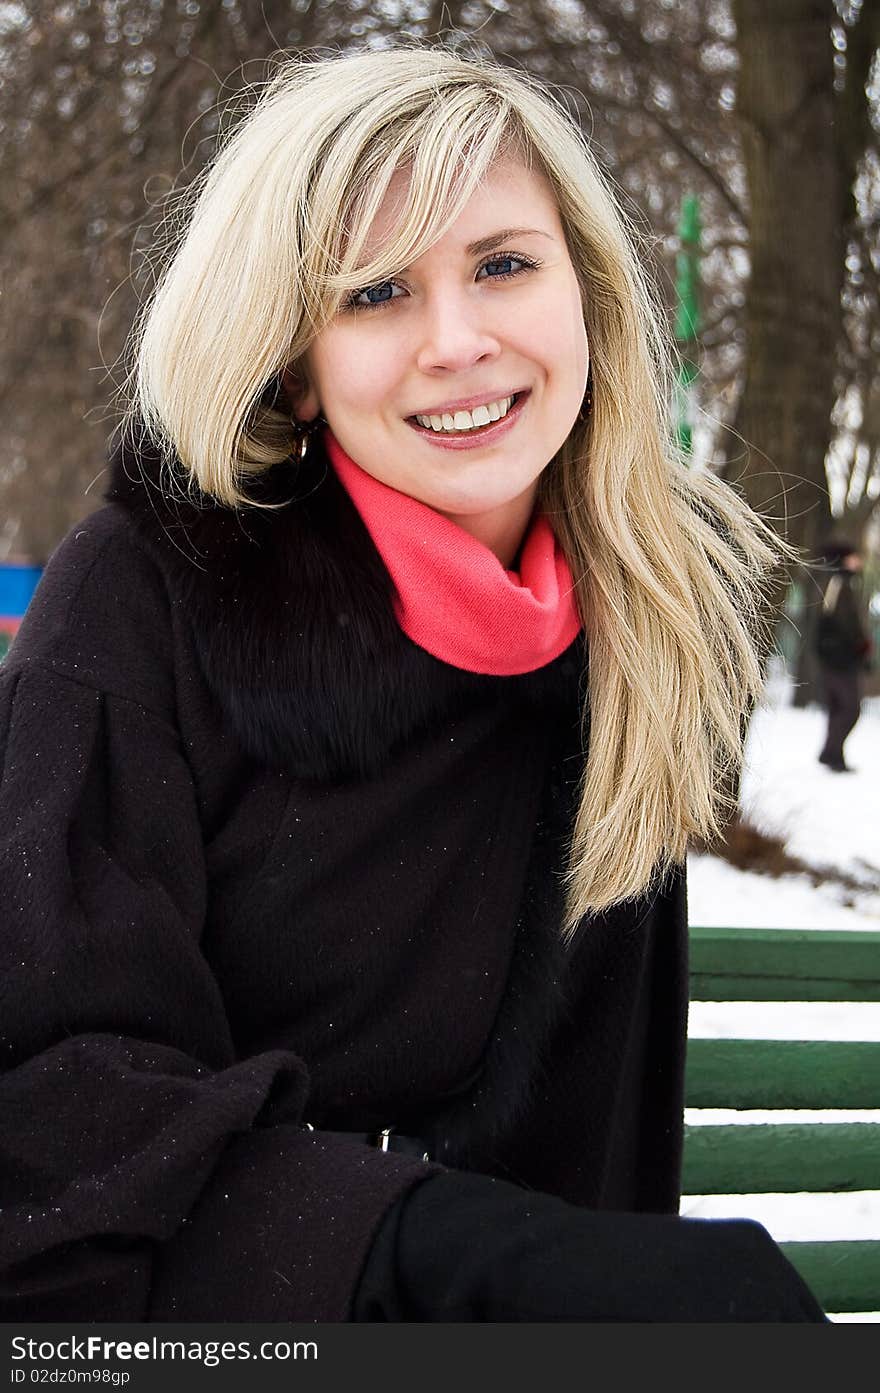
842	650
351	751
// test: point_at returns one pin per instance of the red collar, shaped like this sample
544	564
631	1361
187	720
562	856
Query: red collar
454	597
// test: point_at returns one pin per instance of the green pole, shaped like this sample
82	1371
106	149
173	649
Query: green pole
687	317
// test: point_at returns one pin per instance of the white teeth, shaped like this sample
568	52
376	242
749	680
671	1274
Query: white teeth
467	420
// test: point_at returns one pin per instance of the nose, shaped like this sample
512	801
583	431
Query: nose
454	335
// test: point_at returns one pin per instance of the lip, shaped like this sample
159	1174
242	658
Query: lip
468	403
486	435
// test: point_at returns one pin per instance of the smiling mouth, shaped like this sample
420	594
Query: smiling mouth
468	422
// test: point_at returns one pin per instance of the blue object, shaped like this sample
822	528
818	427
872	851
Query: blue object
17	585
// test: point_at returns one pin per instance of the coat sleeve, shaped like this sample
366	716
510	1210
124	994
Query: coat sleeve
146	1171
470	1248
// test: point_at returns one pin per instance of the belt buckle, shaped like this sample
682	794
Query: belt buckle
383	1142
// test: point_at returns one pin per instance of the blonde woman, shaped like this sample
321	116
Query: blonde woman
352	750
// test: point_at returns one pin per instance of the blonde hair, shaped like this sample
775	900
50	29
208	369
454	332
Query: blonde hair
669	563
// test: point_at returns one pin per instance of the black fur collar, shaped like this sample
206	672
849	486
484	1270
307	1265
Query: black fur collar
291	614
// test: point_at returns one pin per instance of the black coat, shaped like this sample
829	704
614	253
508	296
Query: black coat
841	641
264	861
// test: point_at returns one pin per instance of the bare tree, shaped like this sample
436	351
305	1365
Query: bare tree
803	144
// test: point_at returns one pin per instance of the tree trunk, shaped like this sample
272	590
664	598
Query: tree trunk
785	106
793	315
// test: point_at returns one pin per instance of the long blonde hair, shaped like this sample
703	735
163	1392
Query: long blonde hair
669	563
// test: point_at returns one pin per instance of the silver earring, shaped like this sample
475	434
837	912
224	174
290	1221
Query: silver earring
303	432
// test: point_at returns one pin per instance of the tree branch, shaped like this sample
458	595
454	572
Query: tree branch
103	160
568	51
852	124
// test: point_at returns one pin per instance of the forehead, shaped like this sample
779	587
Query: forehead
510	194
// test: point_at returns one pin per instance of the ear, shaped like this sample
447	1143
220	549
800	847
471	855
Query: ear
303	397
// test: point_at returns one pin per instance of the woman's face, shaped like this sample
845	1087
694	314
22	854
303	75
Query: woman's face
489	317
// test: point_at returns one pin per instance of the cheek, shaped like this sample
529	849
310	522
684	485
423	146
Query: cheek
578	354
558	336
562	348
573	317
357	377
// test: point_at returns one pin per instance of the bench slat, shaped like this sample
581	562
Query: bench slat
732	964
729	964
782	1074
781	1157
706	986
843	1275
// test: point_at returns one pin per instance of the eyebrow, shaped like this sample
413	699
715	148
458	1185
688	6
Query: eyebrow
487	244
495	239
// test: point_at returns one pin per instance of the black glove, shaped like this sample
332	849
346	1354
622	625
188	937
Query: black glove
465	1247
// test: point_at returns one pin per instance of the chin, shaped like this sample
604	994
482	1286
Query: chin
467	505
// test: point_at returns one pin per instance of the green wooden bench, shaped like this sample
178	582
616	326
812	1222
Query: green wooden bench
790	965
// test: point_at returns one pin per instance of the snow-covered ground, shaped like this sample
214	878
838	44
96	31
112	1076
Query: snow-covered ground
828	820
825	819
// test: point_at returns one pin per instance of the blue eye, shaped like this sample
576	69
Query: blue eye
505	267
499	268
376	294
